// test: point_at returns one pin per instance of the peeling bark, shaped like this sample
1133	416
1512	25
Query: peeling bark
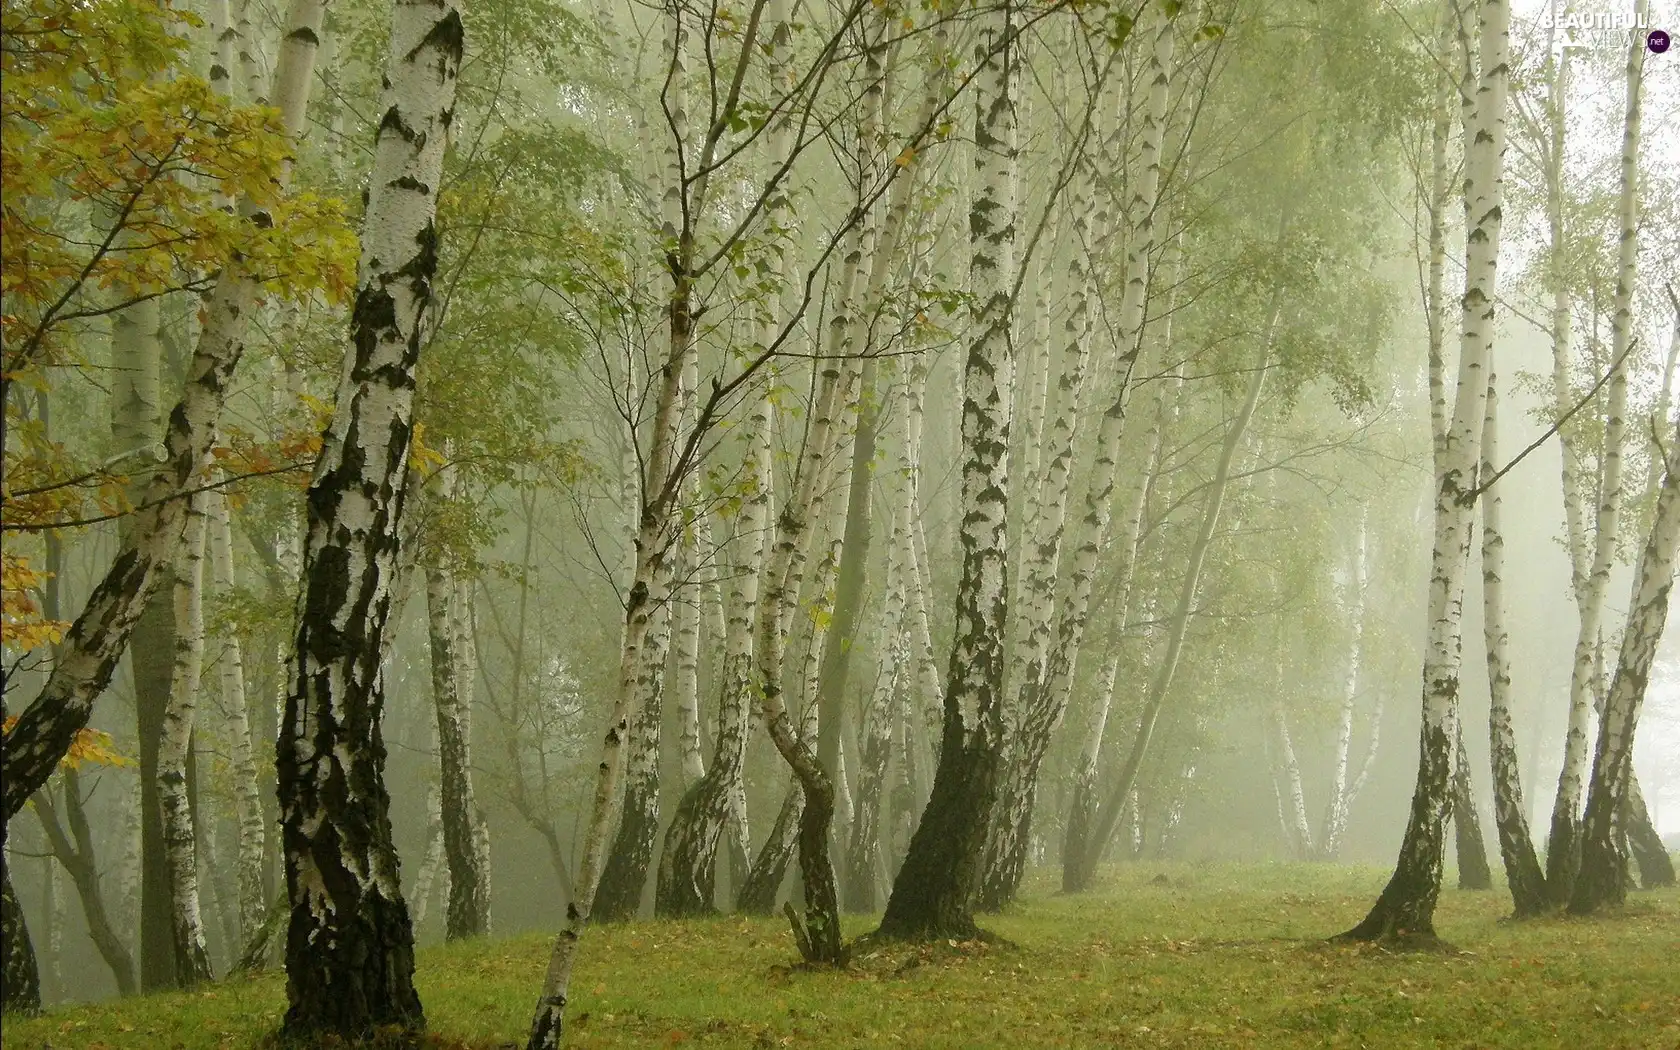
350	945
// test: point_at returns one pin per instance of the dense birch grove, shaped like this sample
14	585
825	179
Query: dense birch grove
499	467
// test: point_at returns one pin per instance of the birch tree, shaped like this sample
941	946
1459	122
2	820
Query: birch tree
349	949
936	889
1406	907
180	845
1602	878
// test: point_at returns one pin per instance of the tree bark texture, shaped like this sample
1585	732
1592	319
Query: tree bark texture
1405	910
350	944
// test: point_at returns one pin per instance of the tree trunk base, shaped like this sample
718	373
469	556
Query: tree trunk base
20	981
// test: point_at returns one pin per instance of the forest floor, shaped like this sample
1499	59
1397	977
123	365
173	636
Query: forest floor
1160	955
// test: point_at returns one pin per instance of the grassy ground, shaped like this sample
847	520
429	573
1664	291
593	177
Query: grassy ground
1159	956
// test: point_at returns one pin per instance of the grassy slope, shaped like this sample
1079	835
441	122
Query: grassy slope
1216	957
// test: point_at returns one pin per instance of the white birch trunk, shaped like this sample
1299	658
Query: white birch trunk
180	846
1602	879
1562	855
1407	904
1335	821
247	795
349	951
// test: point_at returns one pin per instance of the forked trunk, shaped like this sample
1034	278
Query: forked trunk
1604	862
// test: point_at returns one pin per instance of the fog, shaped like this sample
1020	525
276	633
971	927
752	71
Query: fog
1011	423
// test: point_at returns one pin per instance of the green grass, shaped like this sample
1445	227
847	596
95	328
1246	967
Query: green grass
1217	956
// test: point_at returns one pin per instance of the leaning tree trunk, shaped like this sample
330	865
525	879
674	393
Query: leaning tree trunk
96	640
1603	859
1082	809
1656	867
688	865
1406	907
1523	874
1563	851
937	888
649	588
1602	879
349	944
1473	870
180	843
1048	687
451	698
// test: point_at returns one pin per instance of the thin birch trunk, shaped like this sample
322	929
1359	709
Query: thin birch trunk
1297	826
1108	816
431	860
1523	874
463	916
247	795
1563	849
180	846
1335	819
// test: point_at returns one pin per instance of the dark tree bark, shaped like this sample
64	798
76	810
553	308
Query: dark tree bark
350	944
1656	867
619	895
1474	872
20	981
758	892
465	913
153	660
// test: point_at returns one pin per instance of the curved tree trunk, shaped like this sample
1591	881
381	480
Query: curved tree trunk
688	865
1604	863
75	851
1563	850
1523	874
349	944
